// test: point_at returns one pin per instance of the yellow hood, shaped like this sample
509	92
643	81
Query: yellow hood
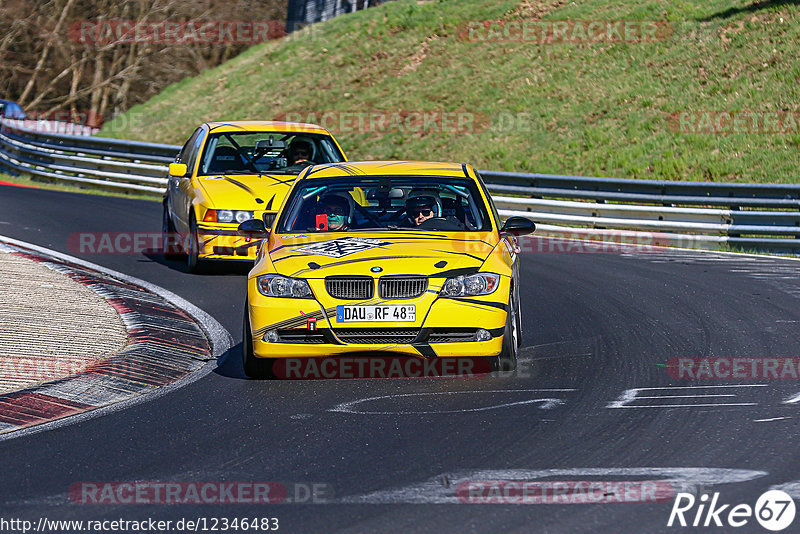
394	252
241	191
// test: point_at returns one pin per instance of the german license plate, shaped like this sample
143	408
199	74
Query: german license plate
388	313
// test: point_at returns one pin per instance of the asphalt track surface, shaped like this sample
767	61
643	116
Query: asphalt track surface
594	326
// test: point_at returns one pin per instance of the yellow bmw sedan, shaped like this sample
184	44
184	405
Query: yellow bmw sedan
408	259
230	172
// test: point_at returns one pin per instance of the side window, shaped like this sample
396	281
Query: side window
194	149
495	215
182	155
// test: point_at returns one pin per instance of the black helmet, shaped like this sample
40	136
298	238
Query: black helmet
301	143
423	201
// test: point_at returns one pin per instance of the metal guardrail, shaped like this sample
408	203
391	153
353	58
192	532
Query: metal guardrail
116	164
763	217
688	214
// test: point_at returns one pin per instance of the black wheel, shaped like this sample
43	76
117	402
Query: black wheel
169	238
193	261
518	317
259	368
507	360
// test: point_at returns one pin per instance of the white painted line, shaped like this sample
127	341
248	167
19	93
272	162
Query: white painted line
706	387
768	420
691	405
219	337
632	395
687	396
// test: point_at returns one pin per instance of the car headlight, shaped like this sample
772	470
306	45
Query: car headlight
228	216
470	286
275	285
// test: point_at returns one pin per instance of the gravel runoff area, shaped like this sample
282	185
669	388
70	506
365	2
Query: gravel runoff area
50	325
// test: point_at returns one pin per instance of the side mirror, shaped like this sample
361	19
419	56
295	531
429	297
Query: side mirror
254	228
178	169
518	226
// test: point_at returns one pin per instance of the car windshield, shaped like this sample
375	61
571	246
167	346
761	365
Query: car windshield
266	152
348	204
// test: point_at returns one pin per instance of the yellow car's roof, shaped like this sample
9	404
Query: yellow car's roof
265	126
384	168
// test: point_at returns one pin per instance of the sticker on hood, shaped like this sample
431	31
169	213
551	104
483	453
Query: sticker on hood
343	246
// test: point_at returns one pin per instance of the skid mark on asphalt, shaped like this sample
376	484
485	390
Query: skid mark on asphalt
546	399
449	488
792	488
573	348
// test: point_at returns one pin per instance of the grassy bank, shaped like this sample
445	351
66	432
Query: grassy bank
579	107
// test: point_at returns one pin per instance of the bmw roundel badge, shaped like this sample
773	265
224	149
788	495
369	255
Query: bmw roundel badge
376	269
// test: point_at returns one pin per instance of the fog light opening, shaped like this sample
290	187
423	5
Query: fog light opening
271	336
482	335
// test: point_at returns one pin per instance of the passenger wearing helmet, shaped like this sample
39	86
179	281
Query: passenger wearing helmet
300	152
334	212
425	205
420	209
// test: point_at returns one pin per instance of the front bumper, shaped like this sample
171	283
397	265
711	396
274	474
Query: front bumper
221	241
444	327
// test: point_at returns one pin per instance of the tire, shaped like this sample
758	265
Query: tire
193	262
258	368
172	251
518	317
507	360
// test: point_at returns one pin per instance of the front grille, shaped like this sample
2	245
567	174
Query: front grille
352	288
445	335
301	336
381	336
231	251
402	287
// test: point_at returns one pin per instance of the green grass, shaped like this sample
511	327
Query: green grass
43	183
596	109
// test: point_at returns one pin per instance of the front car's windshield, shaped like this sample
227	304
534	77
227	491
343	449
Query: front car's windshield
266	152
385	203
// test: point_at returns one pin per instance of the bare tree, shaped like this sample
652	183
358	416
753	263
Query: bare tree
49	60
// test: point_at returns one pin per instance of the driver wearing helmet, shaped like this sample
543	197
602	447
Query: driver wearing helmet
300	152
334	212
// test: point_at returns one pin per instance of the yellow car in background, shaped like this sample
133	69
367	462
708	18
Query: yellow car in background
401	258
229	172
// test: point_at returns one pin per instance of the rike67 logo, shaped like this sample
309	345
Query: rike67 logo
774	510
